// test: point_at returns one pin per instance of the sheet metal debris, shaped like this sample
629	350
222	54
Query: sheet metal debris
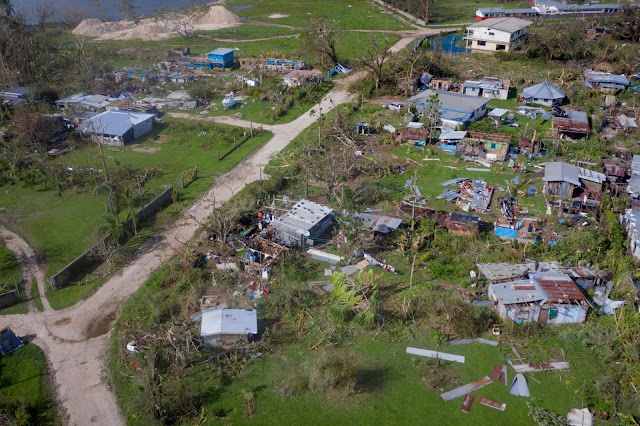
540	366
473	169
435	354
465	389
499	373
486	341
519	386
467	402
491	403
453	181
578	417
467	341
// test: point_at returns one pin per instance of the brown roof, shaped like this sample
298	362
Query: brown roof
559	288
577	122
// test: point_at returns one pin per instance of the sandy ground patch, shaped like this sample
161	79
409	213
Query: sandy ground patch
149	29
146	149
278	15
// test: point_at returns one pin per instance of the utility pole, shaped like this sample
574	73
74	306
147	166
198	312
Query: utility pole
319	125
250	120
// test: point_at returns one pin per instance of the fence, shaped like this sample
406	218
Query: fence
89	259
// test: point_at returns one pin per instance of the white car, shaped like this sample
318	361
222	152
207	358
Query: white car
396	106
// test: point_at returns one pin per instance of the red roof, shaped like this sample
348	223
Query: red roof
559	288
577	122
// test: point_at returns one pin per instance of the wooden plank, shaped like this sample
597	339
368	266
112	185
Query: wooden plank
465	389
541	366
434	354
491	403
468	401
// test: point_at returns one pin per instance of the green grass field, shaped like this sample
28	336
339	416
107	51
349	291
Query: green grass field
64	226
23	383
344	14
248	32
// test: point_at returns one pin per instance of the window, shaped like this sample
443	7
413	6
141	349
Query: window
490	33
482	43
553	313
501	47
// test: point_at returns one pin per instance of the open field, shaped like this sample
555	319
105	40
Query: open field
24	388
249	32
344	14
445	12
64	225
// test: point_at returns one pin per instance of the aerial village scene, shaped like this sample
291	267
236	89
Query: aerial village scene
319	212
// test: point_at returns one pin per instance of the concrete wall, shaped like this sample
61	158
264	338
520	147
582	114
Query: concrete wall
89	260
9	298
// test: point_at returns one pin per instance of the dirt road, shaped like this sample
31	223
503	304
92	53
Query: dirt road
76	339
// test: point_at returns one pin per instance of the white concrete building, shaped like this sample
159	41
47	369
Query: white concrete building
497	34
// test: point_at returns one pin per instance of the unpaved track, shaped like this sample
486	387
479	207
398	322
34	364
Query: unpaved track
76	339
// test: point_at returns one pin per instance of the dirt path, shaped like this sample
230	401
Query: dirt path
29	267
76	339
241	40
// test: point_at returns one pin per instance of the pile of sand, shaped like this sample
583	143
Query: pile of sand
149	29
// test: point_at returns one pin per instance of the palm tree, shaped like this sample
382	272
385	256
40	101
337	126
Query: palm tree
111	203
112	228
6	9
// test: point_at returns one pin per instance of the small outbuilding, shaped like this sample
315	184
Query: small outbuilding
118	127
9	342
302	224
544	93
227	326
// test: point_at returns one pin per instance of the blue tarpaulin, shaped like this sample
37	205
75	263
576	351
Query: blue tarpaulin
506	233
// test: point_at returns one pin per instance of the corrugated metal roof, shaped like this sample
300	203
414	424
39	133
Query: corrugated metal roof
114	122
559	171
502	271
383	224
577	122
453	106
229	321
516	292
509	25
303	216
598	78
557	287
543	91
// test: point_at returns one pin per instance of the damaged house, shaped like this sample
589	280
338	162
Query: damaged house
568	181
222	327
487	87
605	81
455	110
545	297
302	224
570	124
485	146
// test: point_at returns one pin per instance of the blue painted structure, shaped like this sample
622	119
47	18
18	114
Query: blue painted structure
221	57
9	342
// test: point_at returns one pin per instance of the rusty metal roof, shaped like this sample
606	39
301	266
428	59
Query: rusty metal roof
558	288
577	122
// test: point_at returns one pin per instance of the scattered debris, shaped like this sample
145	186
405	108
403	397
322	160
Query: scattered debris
577	417
491	403
435	354
465	389
519	386
324	256
540	366
467	341
499	373
468	401
132	347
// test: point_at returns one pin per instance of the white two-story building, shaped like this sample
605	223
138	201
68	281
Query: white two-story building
497	34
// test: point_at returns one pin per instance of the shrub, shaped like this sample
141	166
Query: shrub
333	370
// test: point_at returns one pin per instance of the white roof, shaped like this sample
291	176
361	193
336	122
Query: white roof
509	25
455	135
303	216
523	291
229	321
498	112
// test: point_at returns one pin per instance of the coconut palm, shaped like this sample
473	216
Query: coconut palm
111	202
112	228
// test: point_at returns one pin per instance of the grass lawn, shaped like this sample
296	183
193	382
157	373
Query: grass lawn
23	380
344	14
64	226
35	294
248	32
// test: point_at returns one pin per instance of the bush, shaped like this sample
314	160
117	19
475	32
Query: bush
333	370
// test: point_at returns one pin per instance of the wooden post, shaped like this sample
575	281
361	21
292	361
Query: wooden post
234	142
218	154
